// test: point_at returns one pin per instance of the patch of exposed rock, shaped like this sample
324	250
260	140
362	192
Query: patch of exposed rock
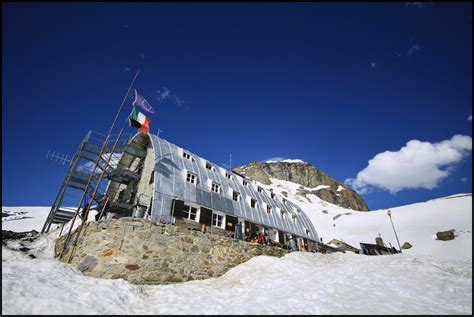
21	241
12	235
306	175
143	252
445	235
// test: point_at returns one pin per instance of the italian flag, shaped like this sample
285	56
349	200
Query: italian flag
139	120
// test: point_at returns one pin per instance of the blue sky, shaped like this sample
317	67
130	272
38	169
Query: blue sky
333	84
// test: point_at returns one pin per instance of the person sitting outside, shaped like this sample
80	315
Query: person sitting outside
291	244
266	236
247	235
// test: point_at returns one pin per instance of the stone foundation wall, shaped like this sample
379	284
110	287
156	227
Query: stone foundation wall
143	252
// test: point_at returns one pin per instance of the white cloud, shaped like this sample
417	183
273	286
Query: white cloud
162	94
165	93
464	179
416	165
419	5
88	167
177	100
469	118
414	48
373	64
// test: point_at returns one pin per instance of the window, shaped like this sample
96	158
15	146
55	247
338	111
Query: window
208	166
253	202
190	212
259	189
235	195
244	183
186	155
218	220
269	209
152	178
215	187
307	231
227	174
273	195
191	178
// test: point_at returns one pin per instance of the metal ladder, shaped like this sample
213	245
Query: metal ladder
72	189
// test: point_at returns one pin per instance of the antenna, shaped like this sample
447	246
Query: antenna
228	166
158	132
63	158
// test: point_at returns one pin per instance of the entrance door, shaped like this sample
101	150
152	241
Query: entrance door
230	223
206	216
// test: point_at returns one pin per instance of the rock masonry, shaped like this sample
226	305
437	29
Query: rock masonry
143	252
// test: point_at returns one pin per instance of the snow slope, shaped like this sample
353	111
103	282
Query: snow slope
299	283
415	223
427	279
24	218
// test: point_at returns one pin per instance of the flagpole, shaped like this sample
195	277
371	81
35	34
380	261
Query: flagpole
123	102
66	242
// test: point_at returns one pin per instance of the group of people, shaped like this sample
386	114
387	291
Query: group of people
261	237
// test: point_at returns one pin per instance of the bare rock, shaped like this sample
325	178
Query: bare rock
445	235
306	175
406	245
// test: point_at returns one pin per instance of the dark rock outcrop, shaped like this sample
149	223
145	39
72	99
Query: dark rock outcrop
11	235
445	235
306	175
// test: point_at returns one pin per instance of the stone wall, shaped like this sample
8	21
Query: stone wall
145	187
143	252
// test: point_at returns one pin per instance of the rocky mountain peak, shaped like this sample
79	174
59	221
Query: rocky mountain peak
307	175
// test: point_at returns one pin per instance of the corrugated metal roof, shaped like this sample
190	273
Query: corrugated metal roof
171	169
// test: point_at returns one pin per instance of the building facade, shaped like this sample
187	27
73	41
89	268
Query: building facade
168	183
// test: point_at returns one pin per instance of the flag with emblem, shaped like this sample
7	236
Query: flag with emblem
142	103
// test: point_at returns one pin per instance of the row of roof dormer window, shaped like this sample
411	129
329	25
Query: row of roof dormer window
207	164
228	174
216	188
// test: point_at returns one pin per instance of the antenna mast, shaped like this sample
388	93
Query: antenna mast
52	155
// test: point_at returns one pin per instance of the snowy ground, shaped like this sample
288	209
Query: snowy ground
299	283
24	218
422	280
415	223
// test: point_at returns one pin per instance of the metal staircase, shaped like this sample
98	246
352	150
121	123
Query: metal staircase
80	172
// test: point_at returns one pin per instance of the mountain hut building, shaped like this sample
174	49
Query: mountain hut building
162	182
